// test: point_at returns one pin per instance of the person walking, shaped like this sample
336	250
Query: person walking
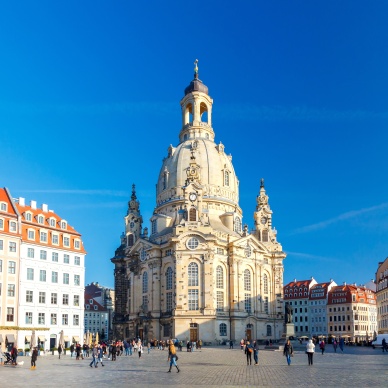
172	357
139	348
322	346
100	355
71	350
248	352
341	344
256	352
59	351
230	344
34	357
310	348
384	345
288	351
94	357
335	344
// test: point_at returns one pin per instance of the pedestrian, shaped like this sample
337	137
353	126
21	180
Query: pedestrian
100	355
310	351
384	345
148	347
34	357
248	352
59	350
14	355
322	346
114	351
71	350
84	350
139	348
172	357
335	344
256	352
95	356
288	351
242	345
230	344
341	344
77	351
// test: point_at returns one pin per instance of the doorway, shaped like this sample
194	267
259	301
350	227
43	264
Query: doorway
193	332
248	332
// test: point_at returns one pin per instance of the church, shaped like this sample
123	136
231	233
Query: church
198	273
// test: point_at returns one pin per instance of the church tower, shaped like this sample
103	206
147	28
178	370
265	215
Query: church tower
199	274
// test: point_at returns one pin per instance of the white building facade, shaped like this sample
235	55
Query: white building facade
52	277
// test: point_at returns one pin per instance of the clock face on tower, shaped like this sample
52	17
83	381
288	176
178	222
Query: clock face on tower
192	197
132	224
263	220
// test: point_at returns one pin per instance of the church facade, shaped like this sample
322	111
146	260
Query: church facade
198	273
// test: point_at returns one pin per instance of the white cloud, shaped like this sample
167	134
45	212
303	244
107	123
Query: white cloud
341	217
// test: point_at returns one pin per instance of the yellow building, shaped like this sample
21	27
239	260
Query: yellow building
199	273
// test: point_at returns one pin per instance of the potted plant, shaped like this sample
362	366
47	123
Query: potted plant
20	352
53	350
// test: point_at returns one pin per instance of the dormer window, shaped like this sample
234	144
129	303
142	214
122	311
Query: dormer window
28	217
12	226
63	224
52	222
3	206
77	244
40	219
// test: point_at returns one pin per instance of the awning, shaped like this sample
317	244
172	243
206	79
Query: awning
10	338
66	338
1	338
28	338
75	338
42	338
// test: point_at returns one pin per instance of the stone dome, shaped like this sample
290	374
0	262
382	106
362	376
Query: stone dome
216	172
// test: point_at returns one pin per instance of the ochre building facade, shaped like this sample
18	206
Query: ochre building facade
198	273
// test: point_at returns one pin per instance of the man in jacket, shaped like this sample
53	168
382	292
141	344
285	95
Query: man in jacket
95	356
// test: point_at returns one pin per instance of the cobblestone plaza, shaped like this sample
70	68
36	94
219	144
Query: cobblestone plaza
220	366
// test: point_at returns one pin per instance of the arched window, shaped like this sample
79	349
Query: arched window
247	280
237	225
269	330
226	178
203	112
145	282
265	235
153	227
193	274
193	214
188	114
41	219
165	179
265	283
259	235
219	277
223	329
169	278
130	240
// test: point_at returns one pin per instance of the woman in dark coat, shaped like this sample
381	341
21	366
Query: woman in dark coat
34	357
288	351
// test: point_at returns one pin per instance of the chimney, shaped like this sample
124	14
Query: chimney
33	204
22	201
45	207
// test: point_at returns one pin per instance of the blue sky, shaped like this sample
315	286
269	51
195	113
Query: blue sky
89	103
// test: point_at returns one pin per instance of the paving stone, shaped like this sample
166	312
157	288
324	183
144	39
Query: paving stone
218	366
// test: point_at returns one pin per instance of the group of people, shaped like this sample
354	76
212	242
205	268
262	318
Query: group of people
250	348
